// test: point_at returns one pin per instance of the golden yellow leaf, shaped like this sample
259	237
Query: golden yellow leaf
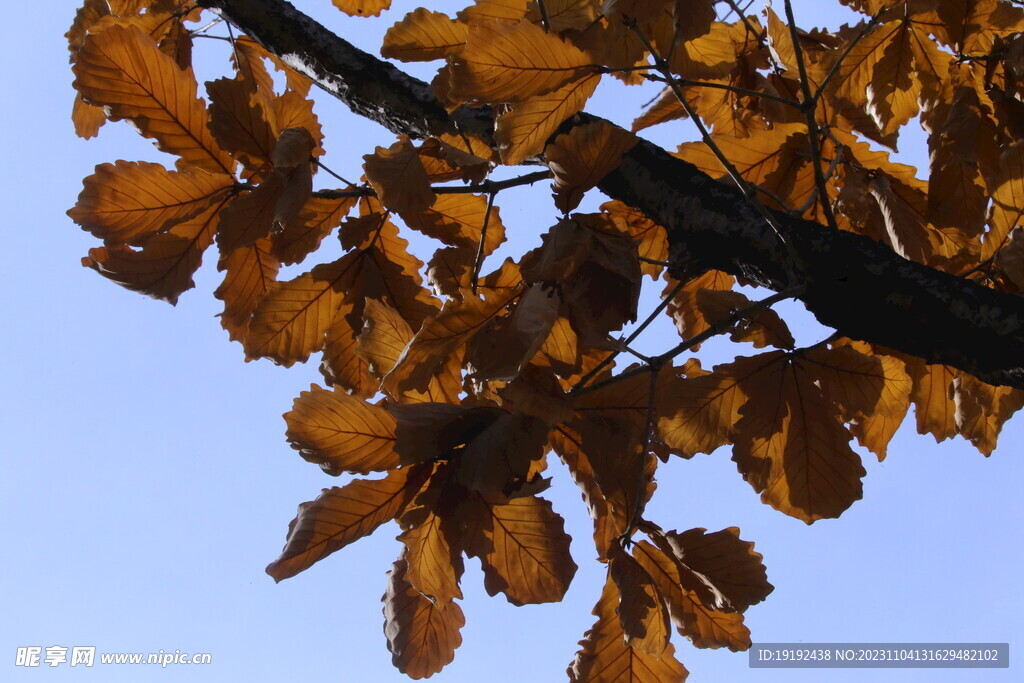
457	220
582	158
303	234
249	273
566	15
434	563
524	127
164	266
505	62
780	42
290	322
124	71
932	394
440	336
423	36
522	546
342	433
422	637
131	201
604	656
398	177
362	8
982	409
708	57
650	238
684	308
1007	201
342	515
486	11
87	118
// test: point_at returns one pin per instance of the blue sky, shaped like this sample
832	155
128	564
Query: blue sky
148	480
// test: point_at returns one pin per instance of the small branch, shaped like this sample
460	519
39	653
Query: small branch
662	305
545	20
332	173
809	108
486	187
713	331
722	86
749	194
202	30
479	261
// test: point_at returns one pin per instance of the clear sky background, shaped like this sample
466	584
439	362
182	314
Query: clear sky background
148	482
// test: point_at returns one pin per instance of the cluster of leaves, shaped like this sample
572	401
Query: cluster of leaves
459	392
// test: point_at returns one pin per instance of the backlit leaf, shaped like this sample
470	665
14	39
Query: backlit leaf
504	62
582	158
604	656
131	201
123	70
343	515
342	433
422	36
362	8
422	637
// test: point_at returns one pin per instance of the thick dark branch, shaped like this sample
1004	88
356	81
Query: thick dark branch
369	86
853	284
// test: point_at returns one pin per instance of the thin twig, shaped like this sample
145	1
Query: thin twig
488	186
330	172
809	108
737	178
545	20
204	29
479	261
715	330
610	358
723	86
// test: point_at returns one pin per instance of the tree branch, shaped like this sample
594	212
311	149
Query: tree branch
853	284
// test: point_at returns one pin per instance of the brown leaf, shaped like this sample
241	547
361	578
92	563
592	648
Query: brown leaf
727	562
303	234
239	123
523	129
457	220
342	433
441	336
423	36
124	71
249	272
522	546
790	447
342	366
363	8
422	637
582	158
499	457
343	515
982	409
604	656
87	118
643	618
164	266
932	395
398	177
506	62
703	623
132	201
434	563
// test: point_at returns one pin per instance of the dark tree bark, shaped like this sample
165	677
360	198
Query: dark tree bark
851	283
